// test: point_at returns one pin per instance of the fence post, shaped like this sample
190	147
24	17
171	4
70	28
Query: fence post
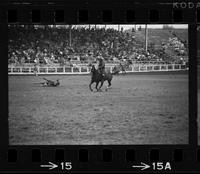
149	68
79	69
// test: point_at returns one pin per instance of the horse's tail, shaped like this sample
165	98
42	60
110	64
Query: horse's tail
114	73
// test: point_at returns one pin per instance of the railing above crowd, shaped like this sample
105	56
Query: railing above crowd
94	62
85	69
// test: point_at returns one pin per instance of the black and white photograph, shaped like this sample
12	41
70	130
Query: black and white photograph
98	84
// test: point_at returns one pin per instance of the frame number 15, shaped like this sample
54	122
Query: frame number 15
66	165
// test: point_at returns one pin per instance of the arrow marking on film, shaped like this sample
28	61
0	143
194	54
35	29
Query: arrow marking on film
143	166
51	166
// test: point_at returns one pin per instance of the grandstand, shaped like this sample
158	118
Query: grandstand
62	46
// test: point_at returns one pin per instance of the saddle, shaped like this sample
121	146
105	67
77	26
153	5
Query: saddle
101	71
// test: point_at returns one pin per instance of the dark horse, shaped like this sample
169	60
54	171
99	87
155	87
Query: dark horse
121	67
118	68
97	77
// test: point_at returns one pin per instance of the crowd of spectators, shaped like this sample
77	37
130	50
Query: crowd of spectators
51	45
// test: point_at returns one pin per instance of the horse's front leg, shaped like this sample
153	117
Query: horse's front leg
97	83
101	85
90	85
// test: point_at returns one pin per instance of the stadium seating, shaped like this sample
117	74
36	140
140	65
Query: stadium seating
52	45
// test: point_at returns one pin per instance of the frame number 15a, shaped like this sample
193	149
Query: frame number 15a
161	166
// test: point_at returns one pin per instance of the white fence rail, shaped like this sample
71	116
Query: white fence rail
12	70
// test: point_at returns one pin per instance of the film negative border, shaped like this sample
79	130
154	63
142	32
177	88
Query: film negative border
86	12
100	158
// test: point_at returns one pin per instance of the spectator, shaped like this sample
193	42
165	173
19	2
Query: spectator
52	45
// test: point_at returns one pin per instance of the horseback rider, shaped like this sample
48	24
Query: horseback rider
101	65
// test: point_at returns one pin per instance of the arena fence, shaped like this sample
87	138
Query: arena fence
81	69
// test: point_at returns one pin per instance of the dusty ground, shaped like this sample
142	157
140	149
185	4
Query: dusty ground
138	109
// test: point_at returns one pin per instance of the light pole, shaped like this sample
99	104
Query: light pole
146	38
70	35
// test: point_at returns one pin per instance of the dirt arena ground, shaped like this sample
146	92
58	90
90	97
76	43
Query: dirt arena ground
138	109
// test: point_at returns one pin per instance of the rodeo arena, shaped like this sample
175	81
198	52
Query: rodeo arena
98	84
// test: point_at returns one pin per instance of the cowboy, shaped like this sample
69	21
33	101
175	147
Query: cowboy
101	66
51	83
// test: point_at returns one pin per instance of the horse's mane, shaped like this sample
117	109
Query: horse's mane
94	69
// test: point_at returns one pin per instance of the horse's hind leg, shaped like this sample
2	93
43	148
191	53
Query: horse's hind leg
90	86
109	83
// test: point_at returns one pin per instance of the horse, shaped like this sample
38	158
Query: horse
121	67
97	77
118	68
